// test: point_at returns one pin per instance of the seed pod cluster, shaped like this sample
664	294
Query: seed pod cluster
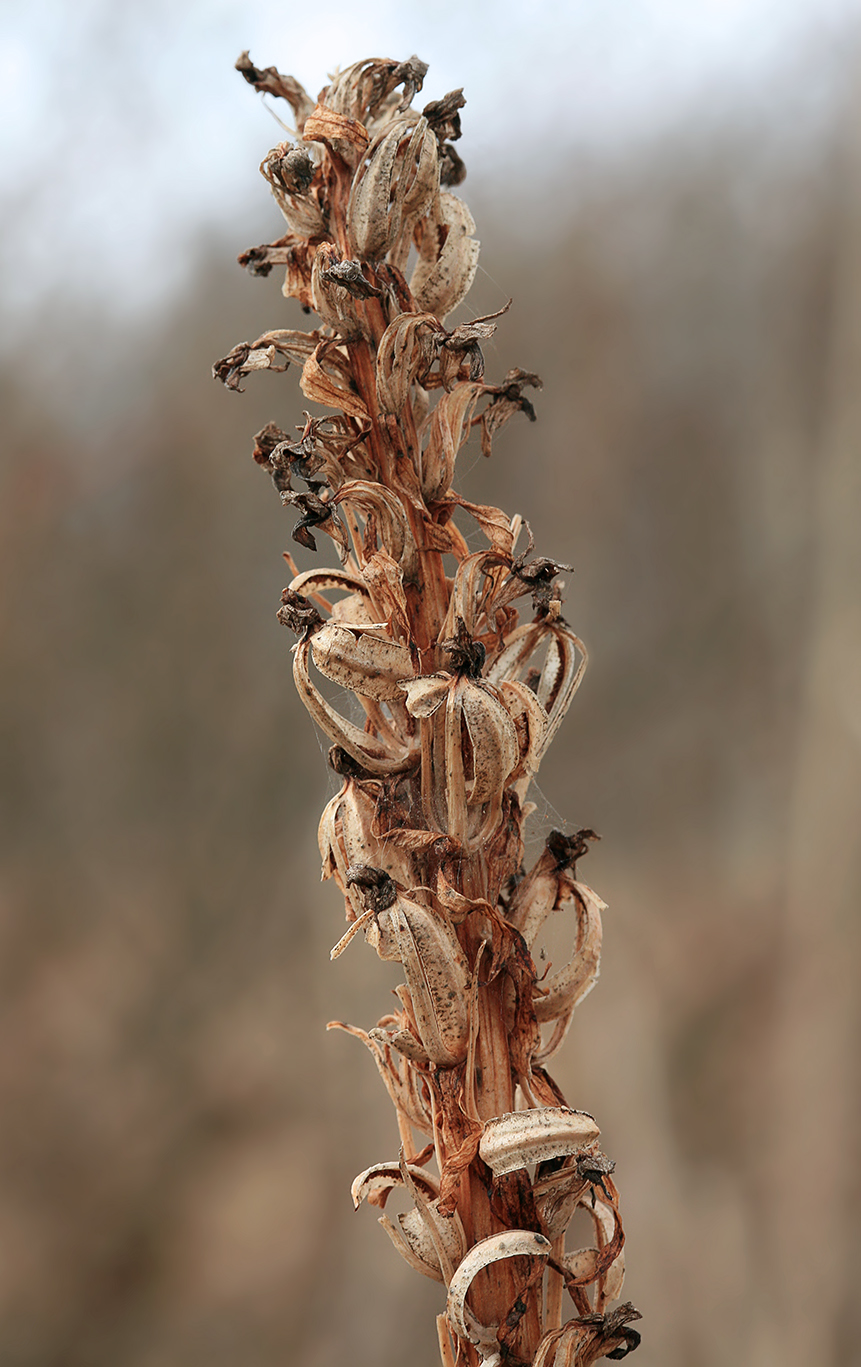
459	687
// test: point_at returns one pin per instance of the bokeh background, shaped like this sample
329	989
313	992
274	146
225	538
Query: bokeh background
672	195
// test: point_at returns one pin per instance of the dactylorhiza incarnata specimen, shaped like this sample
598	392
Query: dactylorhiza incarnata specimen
459	696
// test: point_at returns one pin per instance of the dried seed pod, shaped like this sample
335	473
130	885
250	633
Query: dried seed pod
430	1242
345	138
335	303
513	1243
428	1233
559	995
561	674
374	754
387	511
448	256
530	723
473	748
579	1343
437	975
290	172
523	1137
363	89
474	710
346	839
448	430
407	350
393	187
363	661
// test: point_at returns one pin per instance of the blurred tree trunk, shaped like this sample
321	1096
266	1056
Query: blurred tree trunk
809	1159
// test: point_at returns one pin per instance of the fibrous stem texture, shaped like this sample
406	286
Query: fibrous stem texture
460	694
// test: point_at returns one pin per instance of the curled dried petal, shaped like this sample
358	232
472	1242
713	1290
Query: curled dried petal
375	1183
513	1243
264	354
448	430
327	379
270	81
515	1140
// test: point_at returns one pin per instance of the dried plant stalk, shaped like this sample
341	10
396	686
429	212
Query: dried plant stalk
460	699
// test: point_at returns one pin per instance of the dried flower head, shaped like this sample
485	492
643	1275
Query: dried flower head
461	694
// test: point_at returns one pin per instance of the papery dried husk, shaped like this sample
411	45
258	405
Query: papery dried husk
495	524
316	583
375	1184
584	1266
530	723
561	673
473	591
545	889
426	693
473	708
326	379
436	1239
604	1264
440	1249
385	581
346	839
345	138
557	1196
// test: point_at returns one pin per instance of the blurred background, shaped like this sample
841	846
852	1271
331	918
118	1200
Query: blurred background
672	196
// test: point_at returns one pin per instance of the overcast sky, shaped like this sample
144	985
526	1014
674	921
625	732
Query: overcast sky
125	133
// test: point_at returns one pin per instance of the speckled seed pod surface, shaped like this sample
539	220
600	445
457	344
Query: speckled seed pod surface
461	691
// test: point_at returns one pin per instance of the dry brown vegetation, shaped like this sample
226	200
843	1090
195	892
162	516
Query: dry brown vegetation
179	1133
